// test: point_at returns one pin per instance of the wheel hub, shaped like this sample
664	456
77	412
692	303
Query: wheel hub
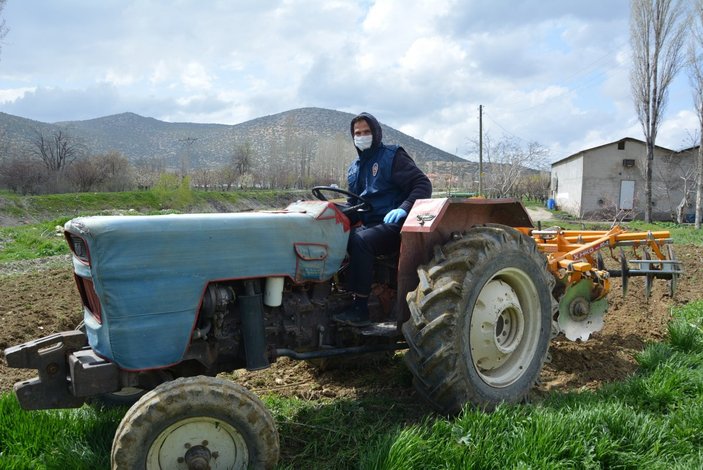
198	458
498	325
175	447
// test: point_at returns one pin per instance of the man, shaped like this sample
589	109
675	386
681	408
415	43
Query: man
388	178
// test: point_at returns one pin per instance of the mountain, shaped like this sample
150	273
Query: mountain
206	145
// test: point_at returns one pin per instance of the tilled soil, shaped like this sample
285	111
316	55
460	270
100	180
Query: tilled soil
39	297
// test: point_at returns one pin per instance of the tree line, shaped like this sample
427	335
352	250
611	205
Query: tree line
57	162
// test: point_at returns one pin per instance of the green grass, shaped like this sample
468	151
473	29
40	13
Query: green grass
32	241
55	439
652	420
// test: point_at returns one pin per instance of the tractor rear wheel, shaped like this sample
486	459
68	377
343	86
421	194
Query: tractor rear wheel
481	320
196	422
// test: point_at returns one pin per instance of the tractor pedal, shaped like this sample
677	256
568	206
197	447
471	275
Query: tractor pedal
388	329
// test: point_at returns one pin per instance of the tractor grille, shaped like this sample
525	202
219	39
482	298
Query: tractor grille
89	297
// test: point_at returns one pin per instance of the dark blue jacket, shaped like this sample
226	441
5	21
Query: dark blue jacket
386	176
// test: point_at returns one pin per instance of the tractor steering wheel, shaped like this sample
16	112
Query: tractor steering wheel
363	206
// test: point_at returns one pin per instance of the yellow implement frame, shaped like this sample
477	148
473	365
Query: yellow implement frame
573	255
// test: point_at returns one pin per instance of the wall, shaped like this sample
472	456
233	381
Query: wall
568	176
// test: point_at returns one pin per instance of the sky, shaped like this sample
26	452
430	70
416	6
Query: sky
554	72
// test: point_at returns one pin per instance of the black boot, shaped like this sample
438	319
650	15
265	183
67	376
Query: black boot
356	315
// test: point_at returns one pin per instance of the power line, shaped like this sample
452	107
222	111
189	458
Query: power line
503	128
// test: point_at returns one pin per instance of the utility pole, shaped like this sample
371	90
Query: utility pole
480	149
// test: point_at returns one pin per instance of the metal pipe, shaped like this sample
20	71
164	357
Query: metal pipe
339	351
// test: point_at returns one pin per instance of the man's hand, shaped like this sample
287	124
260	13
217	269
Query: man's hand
394	216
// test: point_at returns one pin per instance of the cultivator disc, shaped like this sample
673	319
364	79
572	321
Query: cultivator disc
579	314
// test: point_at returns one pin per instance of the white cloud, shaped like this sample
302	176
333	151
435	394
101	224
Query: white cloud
13	94
546	70
195	75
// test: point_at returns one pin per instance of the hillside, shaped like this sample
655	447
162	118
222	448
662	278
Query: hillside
206	145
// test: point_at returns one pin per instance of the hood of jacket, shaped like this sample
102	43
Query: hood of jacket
375	132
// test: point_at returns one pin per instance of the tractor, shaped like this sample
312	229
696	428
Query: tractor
475	294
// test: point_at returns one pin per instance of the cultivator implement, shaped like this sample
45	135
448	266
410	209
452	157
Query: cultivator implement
575	258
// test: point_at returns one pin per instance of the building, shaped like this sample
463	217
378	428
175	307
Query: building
608	181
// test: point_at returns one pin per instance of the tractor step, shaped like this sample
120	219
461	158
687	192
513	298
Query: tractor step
386	329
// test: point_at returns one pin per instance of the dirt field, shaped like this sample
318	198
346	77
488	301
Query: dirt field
39	297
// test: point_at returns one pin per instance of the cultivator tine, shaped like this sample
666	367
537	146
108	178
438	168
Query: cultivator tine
600	264
676	270
649	277
624	272
574	255
650	268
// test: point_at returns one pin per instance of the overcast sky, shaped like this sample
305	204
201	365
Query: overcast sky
551	71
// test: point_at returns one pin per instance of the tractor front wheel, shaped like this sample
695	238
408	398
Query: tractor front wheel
196	422
481	320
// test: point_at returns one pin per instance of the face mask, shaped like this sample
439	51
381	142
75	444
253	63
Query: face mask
363	142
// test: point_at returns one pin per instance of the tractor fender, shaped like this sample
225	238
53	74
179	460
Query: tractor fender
432	222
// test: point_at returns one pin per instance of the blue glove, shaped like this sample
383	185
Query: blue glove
394	216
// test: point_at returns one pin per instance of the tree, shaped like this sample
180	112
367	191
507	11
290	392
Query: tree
507	162
675	179
117	171
56	151
85	174
240	163
695	67
3	28
656	36
22	175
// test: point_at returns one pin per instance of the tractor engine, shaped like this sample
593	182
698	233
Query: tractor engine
247	321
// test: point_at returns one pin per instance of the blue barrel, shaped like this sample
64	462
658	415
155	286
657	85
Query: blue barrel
551	204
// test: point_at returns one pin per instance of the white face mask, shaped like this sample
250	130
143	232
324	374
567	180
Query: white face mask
363	142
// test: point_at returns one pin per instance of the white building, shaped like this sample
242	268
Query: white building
608	180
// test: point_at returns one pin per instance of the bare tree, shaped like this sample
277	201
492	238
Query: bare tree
56	151
204	179
3	27
187	155
656	36
117	171
240	163
695	67
242	158
85	174
674	182
22	175
507	162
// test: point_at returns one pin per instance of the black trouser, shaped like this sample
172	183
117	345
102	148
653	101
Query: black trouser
365	243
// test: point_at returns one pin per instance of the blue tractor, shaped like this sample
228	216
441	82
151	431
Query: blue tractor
171	301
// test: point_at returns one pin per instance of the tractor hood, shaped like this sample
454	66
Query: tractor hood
149	272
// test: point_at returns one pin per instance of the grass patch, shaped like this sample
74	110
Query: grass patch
55	439
653	420
32	241
650	421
